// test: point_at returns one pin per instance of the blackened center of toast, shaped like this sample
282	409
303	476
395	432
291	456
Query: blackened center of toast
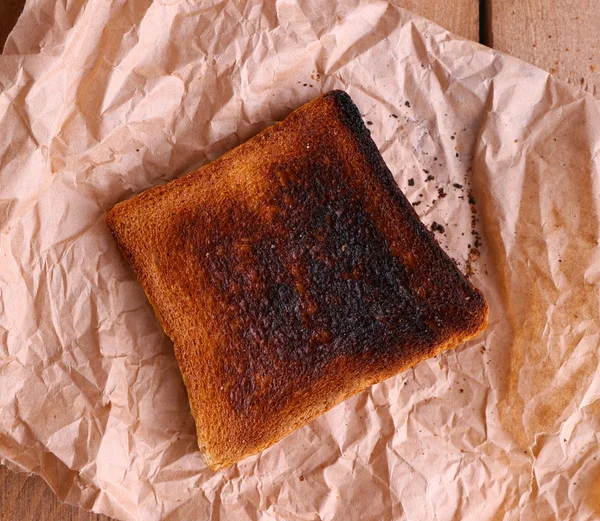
307	281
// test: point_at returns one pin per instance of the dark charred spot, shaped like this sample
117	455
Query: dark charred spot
317	282
310	276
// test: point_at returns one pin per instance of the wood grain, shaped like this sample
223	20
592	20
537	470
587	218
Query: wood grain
458	16
24	498
560	36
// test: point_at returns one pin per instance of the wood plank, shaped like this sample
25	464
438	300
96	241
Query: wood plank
559	36
458	16
25	498
29	498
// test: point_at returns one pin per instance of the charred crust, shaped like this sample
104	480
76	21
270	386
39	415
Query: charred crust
350	116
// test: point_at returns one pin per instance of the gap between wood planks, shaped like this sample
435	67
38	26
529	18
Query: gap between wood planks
485	29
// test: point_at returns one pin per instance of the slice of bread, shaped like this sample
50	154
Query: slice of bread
290	274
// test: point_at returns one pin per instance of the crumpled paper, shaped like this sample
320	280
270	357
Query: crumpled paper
102	99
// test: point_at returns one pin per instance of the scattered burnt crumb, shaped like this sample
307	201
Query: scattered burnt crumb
435	227
411	182
394	116
426	171
369	122
461	197
435	158
416	203
301	478
429	178
310	85
305	85
452	138
457	185
474	252
457	154
137	149
462	390
407	104
441	193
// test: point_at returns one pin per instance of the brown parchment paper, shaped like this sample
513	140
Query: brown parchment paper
102	99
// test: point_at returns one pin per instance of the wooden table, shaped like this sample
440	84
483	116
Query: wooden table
557	35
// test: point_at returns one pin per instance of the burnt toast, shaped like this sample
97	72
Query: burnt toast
291	273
